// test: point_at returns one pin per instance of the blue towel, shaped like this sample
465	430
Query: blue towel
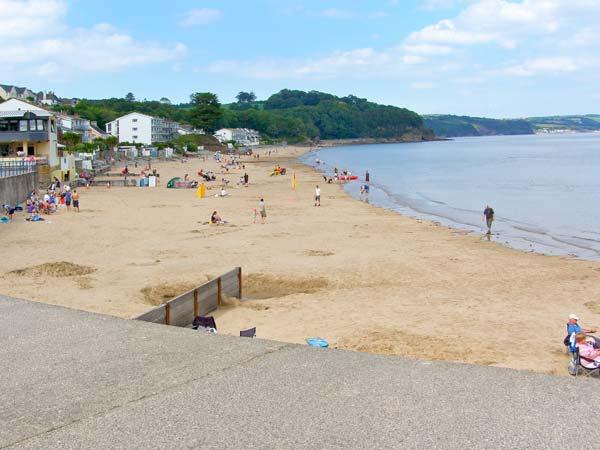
317	342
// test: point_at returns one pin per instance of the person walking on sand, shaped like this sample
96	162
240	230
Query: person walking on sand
317	195
263	210
75	198
488	214
367	177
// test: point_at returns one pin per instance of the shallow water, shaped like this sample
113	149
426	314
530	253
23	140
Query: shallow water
545	189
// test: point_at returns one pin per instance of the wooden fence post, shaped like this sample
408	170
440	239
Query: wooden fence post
196	303
219	289
167	314
240	283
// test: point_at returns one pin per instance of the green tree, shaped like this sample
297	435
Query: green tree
165	101
246	97
130	97
71	140
206	111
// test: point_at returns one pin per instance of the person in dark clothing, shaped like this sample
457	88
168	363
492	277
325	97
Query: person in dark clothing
367	177
488	214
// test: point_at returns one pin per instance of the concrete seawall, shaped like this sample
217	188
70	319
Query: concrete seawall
72	379
15	189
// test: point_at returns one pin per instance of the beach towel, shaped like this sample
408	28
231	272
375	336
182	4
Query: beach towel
317	342
4	219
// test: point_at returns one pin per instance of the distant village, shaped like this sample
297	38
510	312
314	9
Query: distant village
31	130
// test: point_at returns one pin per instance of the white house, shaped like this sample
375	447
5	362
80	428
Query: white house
28	130
243	136
142	128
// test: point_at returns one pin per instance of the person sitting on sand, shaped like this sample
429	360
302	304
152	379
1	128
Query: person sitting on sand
574	327
215	219
586	348
223	193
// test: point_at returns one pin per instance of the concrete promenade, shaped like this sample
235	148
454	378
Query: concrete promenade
71	379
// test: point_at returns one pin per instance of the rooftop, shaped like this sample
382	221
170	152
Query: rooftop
80	380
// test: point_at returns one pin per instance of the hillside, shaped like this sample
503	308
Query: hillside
454	126
295	116
590	122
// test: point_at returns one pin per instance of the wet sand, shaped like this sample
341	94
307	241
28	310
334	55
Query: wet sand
362	277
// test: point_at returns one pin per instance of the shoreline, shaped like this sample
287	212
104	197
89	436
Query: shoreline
363	277
524	237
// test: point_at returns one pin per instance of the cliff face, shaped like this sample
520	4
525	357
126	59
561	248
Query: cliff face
412	136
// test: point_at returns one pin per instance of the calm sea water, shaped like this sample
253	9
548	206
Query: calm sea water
545	189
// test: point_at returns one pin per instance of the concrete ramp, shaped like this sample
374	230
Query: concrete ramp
71	379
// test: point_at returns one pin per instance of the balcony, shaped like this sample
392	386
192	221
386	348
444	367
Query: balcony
24	136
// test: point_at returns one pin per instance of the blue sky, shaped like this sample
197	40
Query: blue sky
496	58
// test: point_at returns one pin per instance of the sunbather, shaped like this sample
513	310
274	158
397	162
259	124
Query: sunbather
216	219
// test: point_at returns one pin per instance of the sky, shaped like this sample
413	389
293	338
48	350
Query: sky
493	58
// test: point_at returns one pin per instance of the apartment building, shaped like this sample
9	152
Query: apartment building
142	128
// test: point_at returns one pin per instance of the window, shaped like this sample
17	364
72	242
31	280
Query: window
53	126
134	120
22	125
32	125
109	127
135	137
134	129
41	125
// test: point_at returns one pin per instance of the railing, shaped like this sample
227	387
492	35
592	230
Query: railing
200	301
12	167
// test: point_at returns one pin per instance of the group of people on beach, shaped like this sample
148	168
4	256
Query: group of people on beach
55	197
216	219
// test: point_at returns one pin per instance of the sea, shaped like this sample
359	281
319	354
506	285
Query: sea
544	189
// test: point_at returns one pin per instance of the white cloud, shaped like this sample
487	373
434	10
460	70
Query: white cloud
20	19
446	32
428	49
359	63
486	39
200	16
53	49
542	66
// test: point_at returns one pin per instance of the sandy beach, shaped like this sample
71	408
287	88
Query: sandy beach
364	278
